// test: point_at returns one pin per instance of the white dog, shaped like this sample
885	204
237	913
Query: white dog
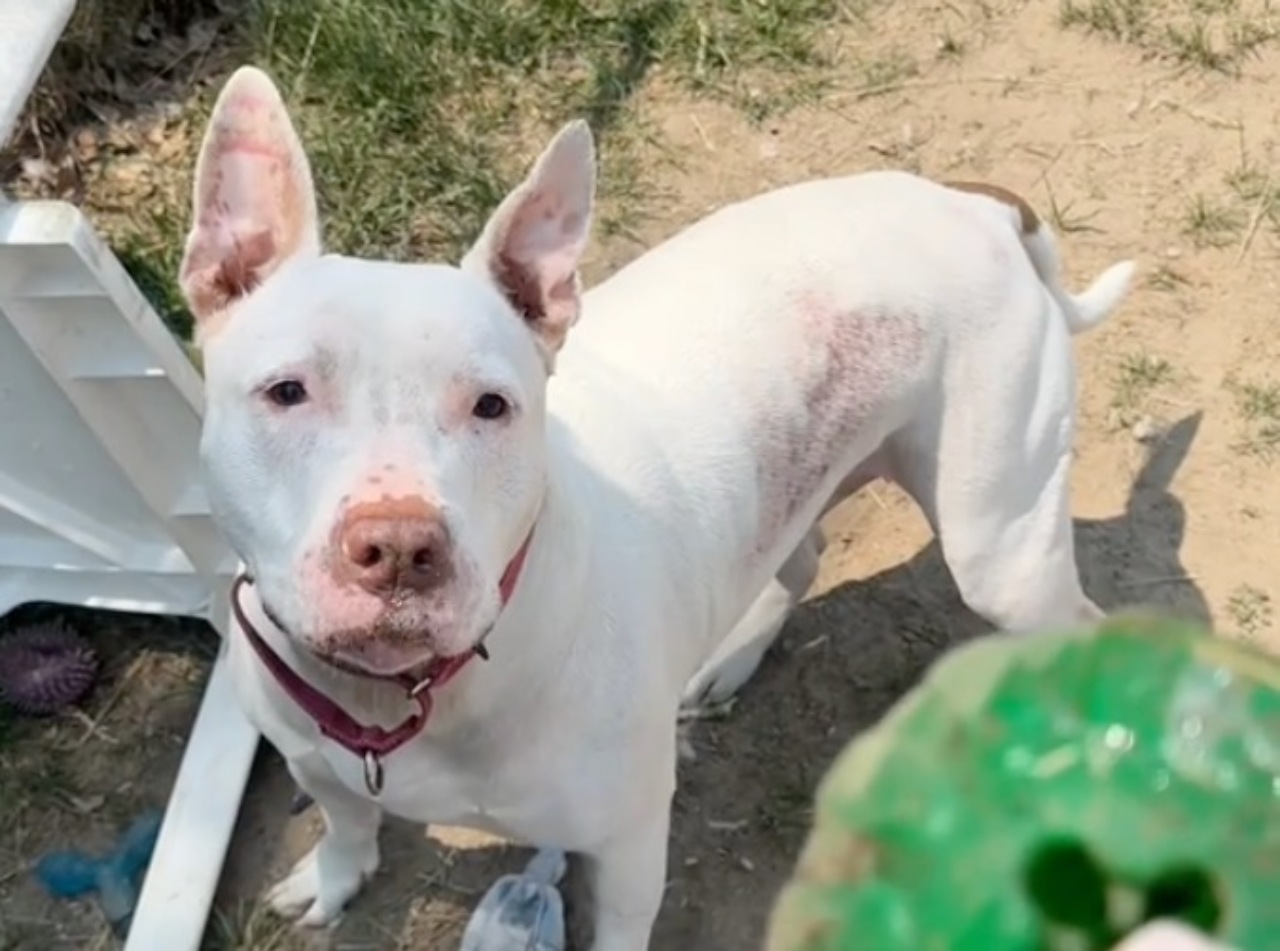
411	489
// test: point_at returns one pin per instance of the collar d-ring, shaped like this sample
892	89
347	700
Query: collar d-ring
373	773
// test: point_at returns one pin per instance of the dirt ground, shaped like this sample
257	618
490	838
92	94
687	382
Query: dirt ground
1130	151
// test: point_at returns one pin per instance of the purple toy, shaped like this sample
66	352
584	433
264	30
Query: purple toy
45	668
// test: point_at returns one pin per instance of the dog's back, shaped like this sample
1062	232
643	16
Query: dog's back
742	372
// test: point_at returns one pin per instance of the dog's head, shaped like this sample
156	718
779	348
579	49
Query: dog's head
374	440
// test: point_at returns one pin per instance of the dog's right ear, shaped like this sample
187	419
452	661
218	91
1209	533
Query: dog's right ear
254	202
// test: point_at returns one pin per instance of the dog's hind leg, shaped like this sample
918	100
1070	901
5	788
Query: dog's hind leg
739	654
1012	554
991	475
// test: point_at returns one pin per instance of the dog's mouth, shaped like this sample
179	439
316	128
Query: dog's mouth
415	671
380	662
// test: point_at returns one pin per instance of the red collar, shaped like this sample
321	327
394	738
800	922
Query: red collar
370	743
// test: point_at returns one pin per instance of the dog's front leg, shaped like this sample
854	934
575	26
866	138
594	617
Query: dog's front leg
628	876
320	885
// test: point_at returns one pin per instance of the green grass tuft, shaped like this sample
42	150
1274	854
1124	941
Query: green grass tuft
411	111
418	116
1209	35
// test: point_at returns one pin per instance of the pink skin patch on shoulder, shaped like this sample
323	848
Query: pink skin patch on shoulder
852	364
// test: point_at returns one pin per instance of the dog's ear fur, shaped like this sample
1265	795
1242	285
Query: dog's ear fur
531	246
254	203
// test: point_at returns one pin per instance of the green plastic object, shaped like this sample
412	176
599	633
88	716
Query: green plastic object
1052	793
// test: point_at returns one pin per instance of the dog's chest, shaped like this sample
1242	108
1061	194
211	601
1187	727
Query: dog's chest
528	795
422	786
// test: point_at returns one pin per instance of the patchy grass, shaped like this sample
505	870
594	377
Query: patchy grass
1250	610
1138	376
1252	185
887	72
418	116
1258	195
1121	20
250	926
1208	35
789	806
1212	224
1259	406
151	252
1065	219
414	113
1165	278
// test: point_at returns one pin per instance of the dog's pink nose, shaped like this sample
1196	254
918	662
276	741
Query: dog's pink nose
387	550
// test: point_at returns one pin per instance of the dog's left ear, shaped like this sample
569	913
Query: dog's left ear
532	244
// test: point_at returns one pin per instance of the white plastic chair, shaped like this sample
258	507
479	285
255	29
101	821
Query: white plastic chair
100	498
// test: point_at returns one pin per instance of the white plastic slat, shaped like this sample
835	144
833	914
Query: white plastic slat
112	589
178	891
146	423
28	32
26	505
24	544
50	454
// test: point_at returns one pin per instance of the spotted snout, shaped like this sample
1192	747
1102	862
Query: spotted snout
394	548
390	586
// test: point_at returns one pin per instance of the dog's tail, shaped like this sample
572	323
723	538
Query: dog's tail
1086	310
1082	311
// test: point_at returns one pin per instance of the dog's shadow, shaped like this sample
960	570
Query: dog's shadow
744	805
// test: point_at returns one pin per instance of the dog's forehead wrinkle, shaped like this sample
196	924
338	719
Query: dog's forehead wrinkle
260	348
326	360
386	320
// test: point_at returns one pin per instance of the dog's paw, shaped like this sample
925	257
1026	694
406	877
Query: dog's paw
685	751
317	890
715	686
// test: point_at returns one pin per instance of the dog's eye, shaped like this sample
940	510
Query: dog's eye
491	406
287	393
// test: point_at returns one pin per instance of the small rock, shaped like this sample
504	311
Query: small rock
86	144
719	825
39	171
1145	430
747	864
87	805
